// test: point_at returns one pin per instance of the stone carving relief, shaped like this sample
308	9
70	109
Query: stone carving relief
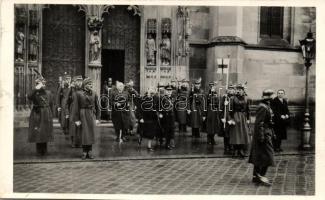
184	30
94	25
150	46
165	45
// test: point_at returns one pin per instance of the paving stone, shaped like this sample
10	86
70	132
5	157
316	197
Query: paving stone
180	176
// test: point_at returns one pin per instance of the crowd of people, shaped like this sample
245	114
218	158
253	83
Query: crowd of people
153	117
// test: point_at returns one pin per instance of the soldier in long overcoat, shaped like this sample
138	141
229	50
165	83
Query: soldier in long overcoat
167	116
148	115
181	106
120	111
74	131
86	115
213	122
261	155
62	101
239	132
161	92
41	117
281	119
226	106
197	105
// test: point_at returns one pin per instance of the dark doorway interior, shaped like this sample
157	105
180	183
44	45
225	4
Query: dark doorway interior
113	65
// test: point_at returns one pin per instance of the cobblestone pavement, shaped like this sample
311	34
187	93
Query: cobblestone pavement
292	175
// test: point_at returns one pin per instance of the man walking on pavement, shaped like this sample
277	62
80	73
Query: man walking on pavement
261	155
120	111
62	101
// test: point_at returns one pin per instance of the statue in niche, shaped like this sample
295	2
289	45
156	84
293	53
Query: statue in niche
20	42
151	50
165	50
95	46
33	45
188	26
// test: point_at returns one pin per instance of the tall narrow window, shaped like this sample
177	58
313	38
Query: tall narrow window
271	22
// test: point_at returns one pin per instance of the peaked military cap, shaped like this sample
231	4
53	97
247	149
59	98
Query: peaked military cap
169	87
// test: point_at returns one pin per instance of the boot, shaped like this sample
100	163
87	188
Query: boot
90	155
84	156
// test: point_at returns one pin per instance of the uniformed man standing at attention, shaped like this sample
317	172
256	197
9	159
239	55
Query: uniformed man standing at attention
86	116
196	104
167	116
213	119
281	119
261	155
74	131
226	106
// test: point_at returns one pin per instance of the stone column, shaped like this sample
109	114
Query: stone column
225	40
93	41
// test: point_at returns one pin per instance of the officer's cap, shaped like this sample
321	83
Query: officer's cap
168	87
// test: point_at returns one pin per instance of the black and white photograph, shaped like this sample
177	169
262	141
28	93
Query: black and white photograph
162	99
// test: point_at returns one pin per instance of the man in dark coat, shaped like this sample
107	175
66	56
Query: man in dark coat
58	98
74	131
41	117
86	115
120	111
167	116
226	106
147	113
197	105
281	118
62	101
181	106
213	118
240	116
261	155
134	95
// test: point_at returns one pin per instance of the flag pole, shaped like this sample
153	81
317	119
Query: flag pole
226	97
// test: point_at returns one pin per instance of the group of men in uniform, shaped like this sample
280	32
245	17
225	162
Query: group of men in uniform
209	112
154	114
76	106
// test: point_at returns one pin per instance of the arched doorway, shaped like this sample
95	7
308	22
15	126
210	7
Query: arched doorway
63	43
121	46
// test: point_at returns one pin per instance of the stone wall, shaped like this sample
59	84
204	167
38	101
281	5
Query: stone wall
275	70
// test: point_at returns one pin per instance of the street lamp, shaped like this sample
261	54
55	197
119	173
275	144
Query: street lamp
308	51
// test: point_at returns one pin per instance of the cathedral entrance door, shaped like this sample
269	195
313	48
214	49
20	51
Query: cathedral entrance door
112	65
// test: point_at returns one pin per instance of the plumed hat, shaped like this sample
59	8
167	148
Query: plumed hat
39	78
87	81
